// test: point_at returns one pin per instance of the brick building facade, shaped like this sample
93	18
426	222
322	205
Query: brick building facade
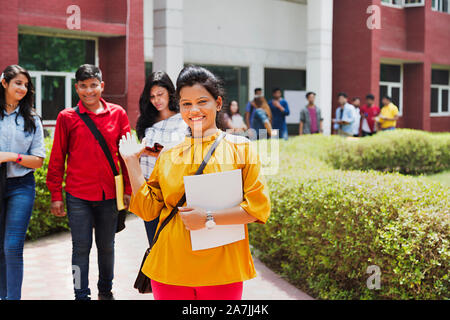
416	39
116	24
400	59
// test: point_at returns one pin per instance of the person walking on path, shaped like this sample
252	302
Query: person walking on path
237	121
345	116
368	113
387	119
311	120
250	108
90	182
159	122
261	125
22	150
280	110
176	271
356	102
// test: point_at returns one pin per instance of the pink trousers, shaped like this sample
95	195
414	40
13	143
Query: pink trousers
232	291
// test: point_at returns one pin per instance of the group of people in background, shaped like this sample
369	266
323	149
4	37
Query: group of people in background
263	119
354	120
89	143
351	119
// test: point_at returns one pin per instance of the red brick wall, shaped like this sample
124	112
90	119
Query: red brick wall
123	66
393	26
437	51
416	36
355	54
8	34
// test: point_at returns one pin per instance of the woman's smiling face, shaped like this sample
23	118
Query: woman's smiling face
17	87
198	109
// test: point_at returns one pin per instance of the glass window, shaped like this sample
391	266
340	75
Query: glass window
392	2
52	62
383	93
148	69
284	79
390	73
434	100
53	96
440	5
42	53
235	81
414	3
444	100
441	77
395	95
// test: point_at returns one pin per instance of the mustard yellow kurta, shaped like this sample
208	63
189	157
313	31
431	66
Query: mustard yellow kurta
171	260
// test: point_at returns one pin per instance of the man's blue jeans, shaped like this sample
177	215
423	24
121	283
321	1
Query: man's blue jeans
83	216
18	204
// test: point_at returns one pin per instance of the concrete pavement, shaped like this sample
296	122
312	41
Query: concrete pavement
48	273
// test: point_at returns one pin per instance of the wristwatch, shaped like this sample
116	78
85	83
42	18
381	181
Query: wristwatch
19	158
210	223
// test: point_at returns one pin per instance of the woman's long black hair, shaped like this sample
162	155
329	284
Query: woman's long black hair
26	109
192	75
148	112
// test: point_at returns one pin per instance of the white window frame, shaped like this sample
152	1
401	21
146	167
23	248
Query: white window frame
440	88
391	85
390	4
412	5
438	6
403	4
69	76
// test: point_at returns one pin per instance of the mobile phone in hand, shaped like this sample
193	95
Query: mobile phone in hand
156	147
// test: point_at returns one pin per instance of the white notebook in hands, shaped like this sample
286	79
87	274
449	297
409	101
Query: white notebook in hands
215	191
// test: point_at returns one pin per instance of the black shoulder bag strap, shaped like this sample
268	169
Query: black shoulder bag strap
101	140
183	198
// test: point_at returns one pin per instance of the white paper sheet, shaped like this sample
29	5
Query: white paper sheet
215	191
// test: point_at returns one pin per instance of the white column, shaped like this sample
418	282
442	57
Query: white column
319	56
255	79
168	37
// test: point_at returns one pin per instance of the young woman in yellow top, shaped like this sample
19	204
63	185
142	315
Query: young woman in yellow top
176	271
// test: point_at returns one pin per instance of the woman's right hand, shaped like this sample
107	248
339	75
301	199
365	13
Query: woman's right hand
130	148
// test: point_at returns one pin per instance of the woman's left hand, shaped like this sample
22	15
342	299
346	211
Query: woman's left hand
129	147
193	218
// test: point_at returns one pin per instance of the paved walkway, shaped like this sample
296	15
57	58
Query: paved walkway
48	274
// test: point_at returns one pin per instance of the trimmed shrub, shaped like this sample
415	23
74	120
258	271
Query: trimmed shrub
327	226
42	221
405	151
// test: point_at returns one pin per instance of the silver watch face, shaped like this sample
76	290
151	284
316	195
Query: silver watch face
210	224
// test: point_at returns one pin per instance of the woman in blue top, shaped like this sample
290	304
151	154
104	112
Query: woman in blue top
261	122
21	151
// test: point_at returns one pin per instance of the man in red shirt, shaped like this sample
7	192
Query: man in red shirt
90	185
368	113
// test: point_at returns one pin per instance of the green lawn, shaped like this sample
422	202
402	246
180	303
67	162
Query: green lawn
443	177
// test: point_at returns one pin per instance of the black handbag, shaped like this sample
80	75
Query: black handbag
143	283
101	140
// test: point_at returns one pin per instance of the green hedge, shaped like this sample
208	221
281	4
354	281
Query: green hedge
327	226
405	151
42	221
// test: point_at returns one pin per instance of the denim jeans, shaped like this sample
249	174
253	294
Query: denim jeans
150	228
18	204
83	216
